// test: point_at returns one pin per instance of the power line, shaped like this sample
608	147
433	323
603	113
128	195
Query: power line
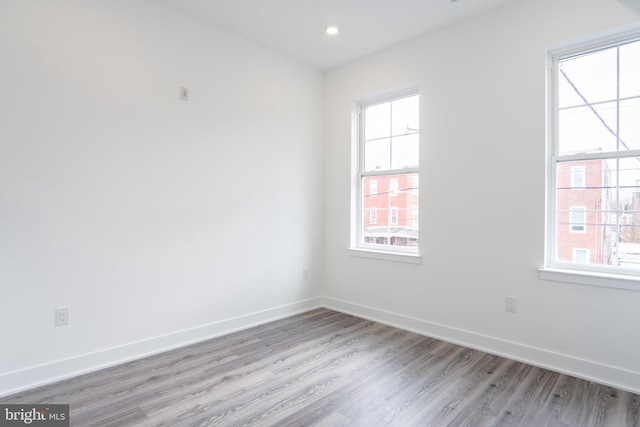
594	111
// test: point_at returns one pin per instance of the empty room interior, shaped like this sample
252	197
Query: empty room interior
191	175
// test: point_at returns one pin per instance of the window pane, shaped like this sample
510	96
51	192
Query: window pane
396	207
405	151
405	115
594	77
626	251
602	218
582	212
377	122
630	70
628	178
377	154
630	123
583	129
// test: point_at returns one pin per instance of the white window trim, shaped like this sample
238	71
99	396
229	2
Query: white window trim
408	257
590	278
357	248
567	272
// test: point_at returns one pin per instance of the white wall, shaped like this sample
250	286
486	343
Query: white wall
482	86
156	221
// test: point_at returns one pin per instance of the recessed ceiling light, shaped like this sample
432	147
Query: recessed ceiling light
332	30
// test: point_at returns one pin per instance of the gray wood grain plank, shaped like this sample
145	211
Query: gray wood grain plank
325	368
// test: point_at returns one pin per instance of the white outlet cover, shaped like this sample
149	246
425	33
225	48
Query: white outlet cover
62	316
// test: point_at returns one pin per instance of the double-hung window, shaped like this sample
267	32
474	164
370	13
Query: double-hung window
387	154
593	158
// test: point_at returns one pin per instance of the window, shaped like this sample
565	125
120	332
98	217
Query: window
387	155
393	212
577	176
393	186
373	216
594	157
580	255
373	187
578	219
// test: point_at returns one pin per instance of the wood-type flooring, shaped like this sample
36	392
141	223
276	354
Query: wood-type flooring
325	368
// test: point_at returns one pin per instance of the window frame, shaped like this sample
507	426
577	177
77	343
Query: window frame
587	274
358	246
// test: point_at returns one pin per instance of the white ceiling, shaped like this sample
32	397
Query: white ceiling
296	28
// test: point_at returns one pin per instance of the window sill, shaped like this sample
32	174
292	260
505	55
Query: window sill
604	280
386	256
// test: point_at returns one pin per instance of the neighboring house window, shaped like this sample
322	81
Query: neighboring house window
577	176
393	212
580	256
373	216
578	219
594	156
393	186
388	153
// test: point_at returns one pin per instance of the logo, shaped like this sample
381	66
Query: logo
34	415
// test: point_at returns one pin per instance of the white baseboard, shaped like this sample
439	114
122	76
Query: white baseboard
24	379
17	381
622	379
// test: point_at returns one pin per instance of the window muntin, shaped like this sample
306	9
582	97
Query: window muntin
389	155
594	159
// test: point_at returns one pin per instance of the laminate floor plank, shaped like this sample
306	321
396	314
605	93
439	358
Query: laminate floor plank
325	368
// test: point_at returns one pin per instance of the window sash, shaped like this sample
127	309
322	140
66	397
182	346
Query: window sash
552	260
360	236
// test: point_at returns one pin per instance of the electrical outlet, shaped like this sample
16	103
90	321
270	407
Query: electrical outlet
62	316
184	93
306	274
510	304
